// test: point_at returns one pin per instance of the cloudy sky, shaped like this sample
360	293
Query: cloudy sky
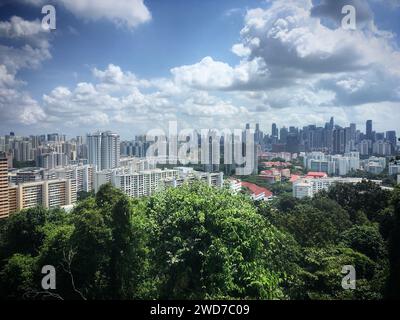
133	65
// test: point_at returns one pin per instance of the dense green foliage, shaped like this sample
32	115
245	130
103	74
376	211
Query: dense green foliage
387	180
197	242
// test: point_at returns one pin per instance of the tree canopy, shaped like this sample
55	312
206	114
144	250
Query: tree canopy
199	242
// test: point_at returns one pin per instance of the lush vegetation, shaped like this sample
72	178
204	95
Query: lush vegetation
387	180
197	242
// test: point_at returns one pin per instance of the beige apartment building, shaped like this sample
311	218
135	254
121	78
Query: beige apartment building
4	206
12	199
48	193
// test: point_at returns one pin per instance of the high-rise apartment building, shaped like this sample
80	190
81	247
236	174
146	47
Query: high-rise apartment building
364	147
12	199
332	164
94	149
47	193
392	139
23	151
4	207
188	175
17	176
23	195
104	150
382	148
144	183
110	150
375	165
82	174
52	160
132	183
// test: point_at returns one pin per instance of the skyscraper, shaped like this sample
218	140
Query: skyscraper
283	134
292	143
258	135
110	150
331	123
353	130
274	132
392	139
339	141
104	150
348	142
368	129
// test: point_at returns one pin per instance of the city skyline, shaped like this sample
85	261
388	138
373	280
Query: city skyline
51	170
207	65
104	149
362	128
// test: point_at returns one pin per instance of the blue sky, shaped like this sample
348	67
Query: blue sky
143	64
180	32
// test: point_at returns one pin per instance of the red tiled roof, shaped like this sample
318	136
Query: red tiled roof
316	174
294	177
266	172
256	189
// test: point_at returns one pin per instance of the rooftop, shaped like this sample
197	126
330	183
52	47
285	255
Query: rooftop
313	174
257	190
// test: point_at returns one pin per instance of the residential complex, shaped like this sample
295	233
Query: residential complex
51	170
375	165
309	186
188	175
82	174
134	183
332	164
47	193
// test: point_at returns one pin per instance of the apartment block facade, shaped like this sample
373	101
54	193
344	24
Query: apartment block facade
4	205
47	193
82	174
